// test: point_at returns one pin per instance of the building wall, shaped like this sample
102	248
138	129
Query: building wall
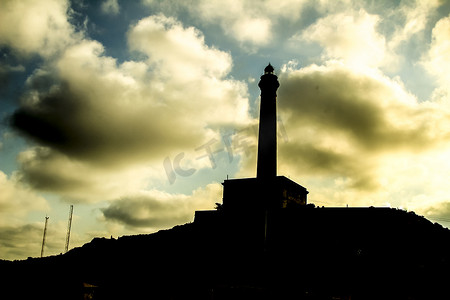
254	194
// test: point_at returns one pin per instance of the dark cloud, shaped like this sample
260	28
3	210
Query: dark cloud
51	120
45	169
146	212
308	159
72	123
367	109
156	209
20	242
38	168
341	121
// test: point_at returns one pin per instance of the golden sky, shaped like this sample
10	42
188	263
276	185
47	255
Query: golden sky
136	111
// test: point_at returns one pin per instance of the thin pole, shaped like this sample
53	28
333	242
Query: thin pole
69	226
45	234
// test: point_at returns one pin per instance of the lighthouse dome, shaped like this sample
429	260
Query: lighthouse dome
269	69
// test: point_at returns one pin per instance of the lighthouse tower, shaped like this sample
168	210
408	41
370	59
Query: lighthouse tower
267	140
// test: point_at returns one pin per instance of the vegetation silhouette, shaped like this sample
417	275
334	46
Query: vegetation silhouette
311	253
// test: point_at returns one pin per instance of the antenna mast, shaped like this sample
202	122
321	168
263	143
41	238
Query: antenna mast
69	226
45	233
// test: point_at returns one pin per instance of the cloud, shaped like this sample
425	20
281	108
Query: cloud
254	30
437	60
180	51
390	36
156	209
35	26
20	242
438	212
76	181
414	16
148	210
16	200
350	36
251	25
371	110
240	20
110	7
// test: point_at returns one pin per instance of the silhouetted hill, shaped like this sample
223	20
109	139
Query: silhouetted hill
308	253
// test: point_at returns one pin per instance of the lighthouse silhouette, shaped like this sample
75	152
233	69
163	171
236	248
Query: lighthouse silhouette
247	198
267	139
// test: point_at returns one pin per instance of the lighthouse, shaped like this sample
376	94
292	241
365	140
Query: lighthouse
266	191
251	200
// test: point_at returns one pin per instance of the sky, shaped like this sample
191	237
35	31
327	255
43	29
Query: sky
136	111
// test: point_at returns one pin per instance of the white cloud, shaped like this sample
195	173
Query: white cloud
35	26
240	20
417	181
16	200
348	36
437	60
181	51
251	24
254	30
414	15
